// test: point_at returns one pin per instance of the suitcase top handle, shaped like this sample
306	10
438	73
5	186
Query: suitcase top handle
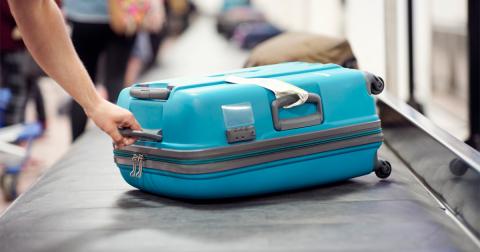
298	122
278	87
145	92
288	96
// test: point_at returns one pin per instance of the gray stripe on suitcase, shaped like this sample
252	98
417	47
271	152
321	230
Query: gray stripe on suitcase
251	146
243	162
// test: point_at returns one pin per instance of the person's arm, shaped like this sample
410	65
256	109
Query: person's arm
44	33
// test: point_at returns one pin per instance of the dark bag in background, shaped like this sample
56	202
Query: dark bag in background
229	20
249	35
304	47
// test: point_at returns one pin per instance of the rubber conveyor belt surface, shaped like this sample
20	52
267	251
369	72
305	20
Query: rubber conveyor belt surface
82	204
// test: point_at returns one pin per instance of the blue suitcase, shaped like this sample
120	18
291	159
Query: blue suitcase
205	138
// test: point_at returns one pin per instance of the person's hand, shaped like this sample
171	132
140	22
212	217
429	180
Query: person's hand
109	118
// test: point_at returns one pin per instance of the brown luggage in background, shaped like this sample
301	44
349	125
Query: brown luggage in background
303	47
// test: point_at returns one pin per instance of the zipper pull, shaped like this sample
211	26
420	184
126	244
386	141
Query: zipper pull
140	159
134	165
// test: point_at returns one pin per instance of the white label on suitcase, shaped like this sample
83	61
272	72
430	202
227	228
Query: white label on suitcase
237	115
278	87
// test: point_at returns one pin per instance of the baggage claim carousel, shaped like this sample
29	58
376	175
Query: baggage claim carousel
431	201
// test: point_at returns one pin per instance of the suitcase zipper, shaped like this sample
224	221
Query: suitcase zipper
152	165
134	158
137	162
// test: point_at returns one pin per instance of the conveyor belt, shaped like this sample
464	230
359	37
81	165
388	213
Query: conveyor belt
82	204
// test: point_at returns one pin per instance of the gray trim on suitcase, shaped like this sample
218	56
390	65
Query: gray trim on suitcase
249	161
251	146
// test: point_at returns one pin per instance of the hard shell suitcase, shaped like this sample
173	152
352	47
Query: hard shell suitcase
206	138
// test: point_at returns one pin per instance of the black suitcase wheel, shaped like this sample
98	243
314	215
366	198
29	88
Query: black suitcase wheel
383	169
458	167
8	184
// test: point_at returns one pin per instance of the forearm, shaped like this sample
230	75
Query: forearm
44	33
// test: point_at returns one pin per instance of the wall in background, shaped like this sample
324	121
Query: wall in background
361	22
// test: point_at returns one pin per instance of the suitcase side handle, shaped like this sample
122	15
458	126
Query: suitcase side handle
142	134
299	122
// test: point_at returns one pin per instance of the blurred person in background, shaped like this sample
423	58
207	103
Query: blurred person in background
93	36
147	42
44	33
179	13
18	72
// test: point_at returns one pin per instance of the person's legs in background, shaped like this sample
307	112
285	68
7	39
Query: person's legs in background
20	75
89	41
35	93
13	78
117	56
139	56
143	55
156	40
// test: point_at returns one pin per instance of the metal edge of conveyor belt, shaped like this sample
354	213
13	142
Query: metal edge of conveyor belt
448	168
